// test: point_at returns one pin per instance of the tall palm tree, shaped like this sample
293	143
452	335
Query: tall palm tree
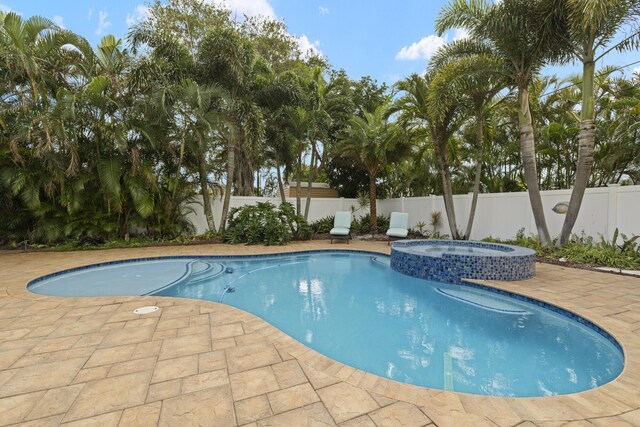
229	60
473	82
374	142
194	112
521	33
435	125
320	120
277	95
325	102
591	25
298	124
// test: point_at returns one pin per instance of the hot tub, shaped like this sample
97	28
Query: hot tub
450	261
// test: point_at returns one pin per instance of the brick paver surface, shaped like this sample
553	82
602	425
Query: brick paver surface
92	361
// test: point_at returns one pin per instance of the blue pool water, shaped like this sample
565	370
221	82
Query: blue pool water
355	309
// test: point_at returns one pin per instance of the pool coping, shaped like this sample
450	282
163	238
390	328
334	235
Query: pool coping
554	285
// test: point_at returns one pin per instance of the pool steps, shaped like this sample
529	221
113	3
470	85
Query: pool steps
195	272
230	288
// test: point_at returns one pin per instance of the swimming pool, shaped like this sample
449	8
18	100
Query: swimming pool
355	309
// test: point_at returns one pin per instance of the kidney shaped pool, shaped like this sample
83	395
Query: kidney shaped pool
352	307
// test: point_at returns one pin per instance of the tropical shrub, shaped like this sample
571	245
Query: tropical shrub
359	225
323	225
266	224
362	225
299	227
585	250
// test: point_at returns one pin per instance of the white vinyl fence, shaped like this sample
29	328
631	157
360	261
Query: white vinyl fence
319	208
498	215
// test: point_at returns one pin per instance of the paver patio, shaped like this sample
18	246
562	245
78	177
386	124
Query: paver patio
92	361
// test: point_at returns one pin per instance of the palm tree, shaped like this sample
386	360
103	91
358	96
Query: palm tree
227	59
520	33
298	123
194	112
470	81
36	85
320	120
113	151
591	25
325	103
373	142
436	125
277	95
617	153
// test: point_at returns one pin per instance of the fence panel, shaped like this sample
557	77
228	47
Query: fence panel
499	215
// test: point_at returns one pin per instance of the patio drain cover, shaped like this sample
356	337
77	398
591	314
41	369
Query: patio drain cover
147	309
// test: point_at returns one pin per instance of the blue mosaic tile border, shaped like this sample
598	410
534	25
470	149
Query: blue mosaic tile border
507	263
551	307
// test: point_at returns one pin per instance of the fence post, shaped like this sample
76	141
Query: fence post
341	203
402	204
612	211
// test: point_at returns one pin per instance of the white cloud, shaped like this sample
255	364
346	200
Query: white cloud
460	33
103	24
307	47
90	14
6	9
139	14
423	49
391	78
249	7
323	10
59	21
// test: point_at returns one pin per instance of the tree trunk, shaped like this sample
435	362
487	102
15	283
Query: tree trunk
298	178
244	175
280	184
528	154
585	151
249	189
373	211
206	199
257	187
310	181
181	156
476	182
447	191
231	163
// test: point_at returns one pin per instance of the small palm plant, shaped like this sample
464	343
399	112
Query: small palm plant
436	221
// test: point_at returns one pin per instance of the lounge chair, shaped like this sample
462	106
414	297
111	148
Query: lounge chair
398	226
341	226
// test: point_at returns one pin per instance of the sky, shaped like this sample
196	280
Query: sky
384	39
